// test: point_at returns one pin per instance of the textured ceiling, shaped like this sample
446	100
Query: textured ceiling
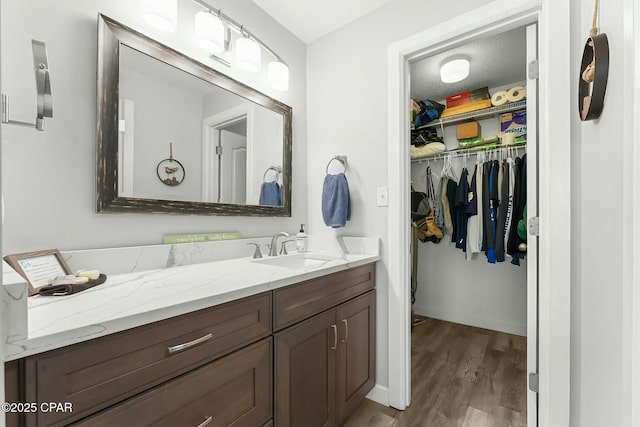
496	61
311	19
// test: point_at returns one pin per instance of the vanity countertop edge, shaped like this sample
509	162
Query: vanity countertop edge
130	300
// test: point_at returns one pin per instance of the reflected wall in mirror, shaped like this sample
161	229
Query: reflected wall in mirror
233	141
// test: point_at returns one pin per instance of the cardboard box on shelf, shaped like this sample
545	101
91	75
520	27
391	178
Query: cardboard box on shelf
468	130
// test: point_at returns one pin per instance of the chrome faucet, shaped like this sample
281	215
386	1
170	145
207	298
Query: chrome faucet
273	248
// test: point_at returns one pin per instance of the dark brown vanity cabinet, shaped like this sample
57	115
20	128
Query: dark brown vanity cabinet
304	352
325	365
176	352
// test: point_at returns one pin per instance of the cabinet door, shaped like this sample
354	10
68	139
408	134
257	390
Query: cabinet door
305	373
356	352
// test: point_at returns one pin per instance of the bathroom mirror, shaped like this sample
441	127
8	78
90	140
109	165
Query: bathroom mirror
176	136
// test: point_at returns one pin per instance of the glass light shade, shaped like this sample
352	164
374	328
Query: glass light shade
209	32
278	76
248	54
160	14
454	70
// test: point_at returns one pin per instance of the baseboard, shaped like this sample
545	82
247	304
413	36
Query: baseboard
471	320
379	394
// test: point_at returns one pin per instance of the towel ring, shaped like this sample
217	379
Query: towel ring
276	169
341	159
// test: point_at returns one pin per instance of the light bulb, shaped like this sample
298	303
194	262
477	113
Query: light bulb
248	54
278	76
160	14
209	31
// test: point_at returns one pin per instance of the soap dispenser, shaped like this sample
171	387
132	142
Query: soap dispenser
301	240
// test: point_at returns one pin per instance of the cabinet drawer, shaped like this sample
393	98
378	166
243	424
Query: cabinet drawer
235	390
298	302
102	372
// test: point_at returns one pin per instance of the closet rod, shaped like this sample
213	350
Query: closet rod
461	152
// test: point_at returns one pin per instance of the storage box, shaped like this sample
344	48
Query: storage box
460	109
515	122
479	94
458	99
468	130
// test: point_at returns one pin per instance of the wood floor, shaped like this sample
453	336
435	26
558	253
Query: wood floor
461	377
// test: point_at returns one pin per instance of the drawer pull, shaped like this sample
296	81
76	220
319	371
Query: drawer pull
346	330
335	337
180	347
207	421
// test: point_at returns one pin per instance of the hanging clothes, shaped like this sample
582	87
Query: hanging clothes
480	204
503	185
520	200
452	188
492	206
446	211
439	206
473	226
512	179
461	202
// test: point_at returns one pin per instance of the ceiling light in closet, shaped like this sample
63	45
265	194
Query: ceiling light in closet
160	14
454	70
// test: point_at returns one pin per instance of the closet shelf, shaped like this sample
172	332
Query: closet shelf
473	150
478	114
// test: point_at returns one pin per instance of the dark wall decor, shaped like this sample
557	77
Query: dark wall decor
594	73
111	37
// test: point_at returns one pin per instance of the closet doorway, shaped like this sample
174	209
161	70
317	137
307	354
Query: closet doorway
554	148
474	289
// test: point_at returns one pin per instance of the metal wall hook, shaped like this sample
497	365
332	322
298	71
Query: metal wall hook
44	106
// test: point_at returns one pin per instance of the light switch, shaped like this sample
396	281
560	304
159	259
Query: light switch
383	196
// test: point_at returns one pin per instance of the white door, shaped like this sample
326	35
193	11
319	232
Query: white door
233	168
532	212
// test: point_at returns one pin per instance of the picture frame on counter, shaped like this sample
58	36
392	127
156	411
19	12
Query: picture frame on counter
38	267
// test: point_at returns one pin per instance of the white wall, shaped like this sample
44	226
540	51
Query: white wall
599	177
267	126
347	114
50	176
164	113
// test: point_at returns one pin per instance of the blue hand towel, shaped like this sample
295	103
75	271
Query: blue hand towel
270	194
336	203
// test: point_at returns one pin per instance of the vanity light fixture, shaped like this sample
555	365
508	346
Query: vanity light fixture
454	69
248	54
248	51
160	14
213	33
278	76
210	32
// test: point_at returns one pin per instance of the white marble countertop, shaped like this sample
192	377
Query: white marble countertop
133	299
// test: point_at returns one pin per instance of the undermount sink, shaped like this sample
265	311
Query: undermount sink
297	261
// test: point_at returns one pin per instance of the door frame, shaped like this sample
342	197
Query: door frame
631	295
210	126
554	207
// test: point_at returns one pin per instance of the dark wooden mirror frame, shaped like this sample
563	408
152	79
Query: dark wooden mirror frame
110	34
